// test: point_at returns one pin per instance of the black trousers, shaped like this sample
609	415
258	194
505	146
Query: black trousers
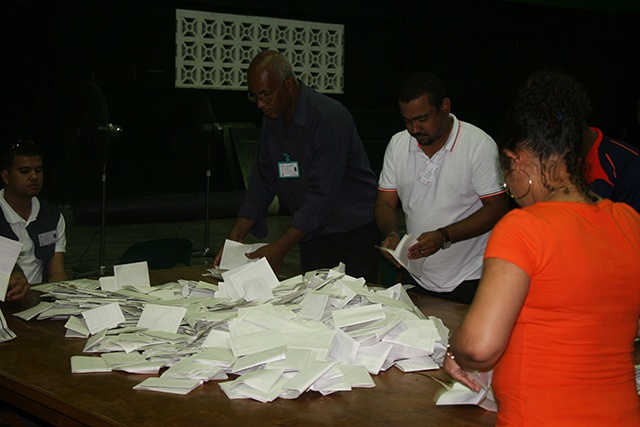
463	293
354	248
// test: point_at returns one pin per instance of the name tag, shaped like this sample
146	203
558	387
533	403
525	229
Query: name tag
427	174
288	169
48	238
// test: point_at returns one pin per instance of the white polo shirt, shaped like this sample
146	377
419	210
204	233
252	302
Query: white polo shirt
30	265
441	190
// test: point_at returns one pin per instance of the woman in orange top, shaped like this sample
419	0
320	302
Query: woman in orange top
557	308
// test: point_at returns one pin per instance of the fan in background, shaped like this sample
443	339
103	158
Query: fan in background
88	134
197	135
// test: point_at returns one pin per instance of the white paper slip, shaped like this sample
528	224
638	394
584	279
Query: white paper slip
253	282
145	367
460	394
401	252
6	334
303	380
357	375
357	315
77	325
9	251
253	360
256	342
161	318
134	274
168	385
105	317
88	364
119	360
233	254
108	283
423	363
32	312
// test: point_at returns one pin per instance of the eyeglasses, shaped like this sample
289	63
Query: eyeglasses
265	96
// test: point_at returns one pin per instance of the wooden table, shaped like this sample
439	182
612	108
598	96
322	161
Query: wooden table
35	375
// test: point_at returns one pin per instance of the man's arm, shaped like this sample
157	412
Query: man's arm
56	269
276	251
493	208
385	217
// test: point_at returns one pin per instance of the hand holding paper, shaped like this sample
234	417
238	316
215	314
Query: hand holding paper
400	254
233	254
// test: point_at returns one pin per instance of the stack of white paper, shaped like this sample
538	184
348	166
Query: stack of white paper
325	332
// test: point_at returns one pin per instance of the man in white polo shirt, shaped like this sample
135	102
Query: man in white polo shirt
37	224
445	174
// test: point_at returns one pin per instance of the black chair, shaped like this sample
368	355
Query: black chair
159	253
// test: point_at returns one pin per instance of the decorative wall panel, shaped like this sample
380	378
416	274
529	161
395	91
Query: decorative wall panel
214	50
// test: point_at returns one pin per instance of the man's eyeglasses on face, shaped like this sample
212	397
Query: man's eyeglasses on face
265	96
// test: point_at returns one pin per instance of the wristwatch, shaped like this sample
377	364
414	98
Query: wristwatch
446	241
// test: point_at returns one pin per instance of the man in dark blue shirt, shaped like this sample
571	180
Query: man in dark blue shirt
311	157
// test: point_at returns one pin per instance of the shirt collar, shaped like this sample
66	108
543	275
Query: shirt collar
12	216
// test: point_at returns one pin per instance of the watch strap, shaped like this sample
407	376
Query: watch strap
446	240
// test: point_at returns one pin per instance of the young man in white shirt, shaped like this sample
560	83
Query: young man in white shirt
445	173
37	224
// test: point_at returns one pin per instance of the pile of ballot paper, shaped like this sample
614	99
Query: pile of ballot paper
261	337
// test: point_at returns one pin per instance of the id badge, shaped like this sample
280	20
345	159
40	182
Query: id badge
48	238
288	169
427	174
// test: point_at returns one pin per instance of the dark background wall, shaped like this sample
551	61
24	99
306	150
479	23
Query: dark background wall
483	50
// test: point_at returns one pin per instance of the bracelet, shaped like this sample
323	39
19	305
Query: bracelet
393	234
449	354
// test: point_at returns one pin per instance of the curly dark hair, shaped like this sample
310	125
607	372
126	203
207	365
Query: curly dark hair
548	118
419	84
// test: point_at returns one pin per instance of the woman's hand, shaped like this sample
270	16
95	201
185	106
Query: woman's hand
459	374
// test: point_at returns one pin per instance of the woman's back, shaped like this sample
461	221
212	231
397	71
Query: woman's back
570	357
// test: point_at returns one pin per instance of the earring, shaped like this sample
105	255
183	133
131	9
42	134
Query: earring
506	187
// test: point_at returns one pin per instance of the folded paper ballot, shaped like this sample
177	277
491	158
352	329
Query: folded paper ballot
88	364
9	251
168	385
400	254
6	334
326	332
460	394
233	254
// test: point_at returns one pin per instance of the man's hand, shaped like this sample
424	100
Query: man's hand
273	253
391	242
240	229
428	244
18	286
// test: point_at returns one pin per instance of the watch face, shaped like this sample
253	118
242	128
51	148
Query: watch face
446	244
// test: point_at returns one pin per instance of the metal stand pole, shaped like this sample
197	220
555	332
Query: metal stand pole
103	267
